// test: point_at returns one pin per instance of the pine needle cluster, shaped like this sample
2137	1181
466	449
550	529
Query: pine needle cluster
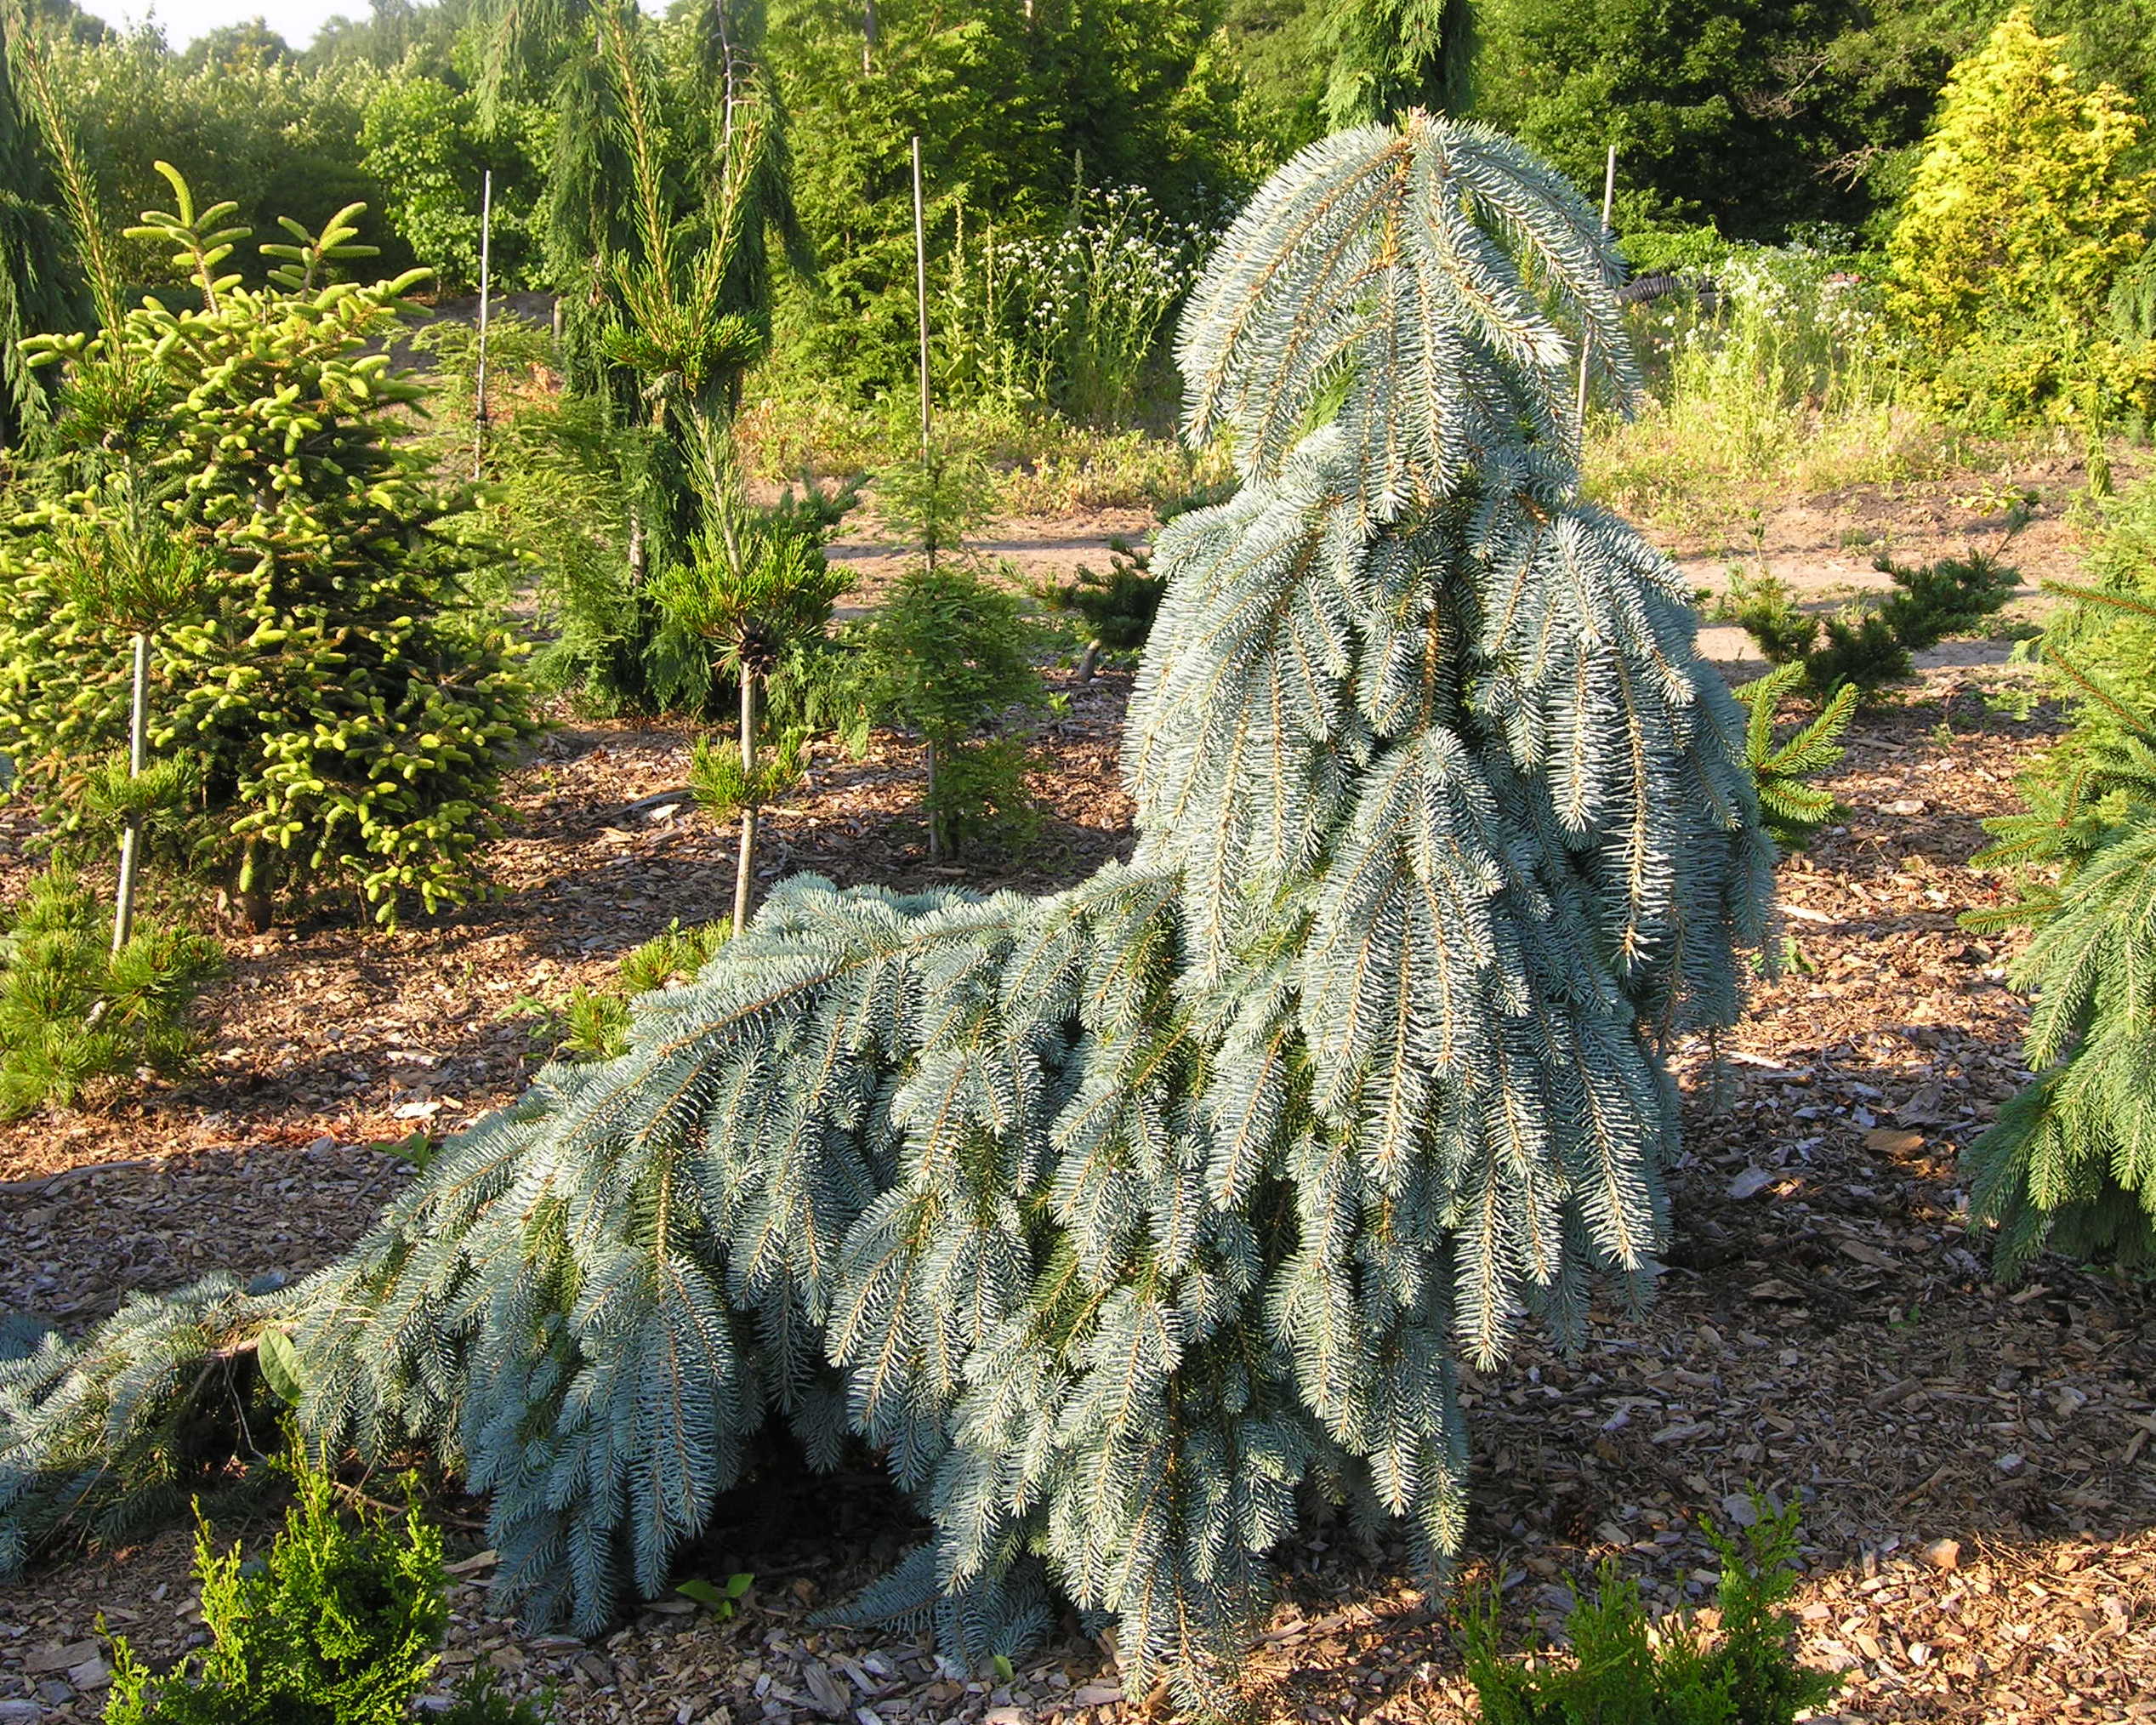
2070	1162
1125	1223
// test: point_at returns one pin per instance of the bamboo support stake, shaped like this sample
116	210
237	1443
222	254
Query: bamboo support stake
131	834
920	291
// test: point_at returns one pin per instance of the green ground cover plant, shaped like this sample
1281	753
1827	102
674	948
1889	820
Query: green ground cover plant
1621	1673
339	1623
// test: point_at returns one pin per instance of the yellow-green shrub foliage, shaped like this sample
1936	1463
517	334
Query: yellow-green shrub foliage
345	720
2024	208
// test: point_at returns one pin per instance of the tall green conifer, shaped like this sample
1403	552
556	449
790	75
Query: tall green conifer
34	296
1113	1219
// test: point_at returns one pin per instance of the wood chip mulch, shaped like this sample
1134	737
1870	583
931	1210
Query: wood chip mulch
1977	1464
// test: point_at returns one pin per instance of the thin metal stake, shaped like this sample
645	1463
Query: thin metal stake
131	834
485	283
1609	201
921	289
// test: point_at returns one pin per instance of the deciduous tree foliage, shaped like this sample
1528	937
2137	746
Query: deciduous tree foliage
1116	1218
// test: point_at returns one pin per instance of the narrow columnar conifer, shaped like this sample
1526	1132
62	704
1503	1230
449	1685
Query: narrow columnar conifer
1116	1220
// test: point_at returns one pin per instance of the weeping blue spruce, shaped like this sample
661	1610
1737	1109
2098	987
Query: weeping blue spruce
1116	1221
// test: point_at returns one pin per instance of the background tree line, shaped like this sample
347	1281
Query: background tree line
1762	121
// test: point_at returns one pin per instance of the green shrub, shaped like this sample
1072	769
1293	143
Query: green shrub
1793	808
1763	606
338	1624
78	1020
593	1023
1619	1674
1116	610
2026	206
1951	596
1861	648
949	654
346	721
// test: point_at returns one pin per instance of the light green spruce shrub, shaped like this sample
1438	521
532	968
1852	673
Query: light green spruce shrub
79	1021
1125	1223
345	720
1619	1674
338	1623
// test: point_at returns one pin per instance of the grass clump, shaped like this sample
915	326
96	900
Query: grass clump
1622	1673
79	1021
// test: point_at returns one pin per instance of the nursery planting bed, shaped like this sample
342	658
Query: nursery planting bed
1977	1464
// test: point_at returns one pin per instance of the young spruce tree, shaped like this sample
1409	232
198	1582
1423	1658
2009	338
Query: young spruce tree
1114	1219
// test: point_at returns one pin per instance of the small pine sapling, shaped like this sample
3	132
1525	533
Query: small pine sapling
1793	808
1933	601
1762	605
1116	610
762	593
950	653
1621	1673
1861	650
80	1019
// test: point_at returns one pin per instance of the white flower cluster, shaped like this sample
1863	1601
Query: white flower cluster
1071	318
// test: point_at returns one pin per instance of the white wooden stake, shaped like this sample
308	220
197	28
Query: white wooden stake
486	284
1609	201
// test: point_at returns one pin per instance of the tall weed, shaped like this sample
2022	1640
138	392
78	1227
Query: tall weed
1773	375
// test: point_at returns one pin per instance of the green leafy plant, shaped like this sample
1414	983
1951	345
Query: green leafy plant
338	1623
722	1601
1793	808
949	653
80	1018
1622	1672
345	720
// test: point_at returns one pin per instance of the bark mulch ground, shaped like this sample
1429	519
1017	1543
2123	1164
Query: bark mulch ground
1976	1463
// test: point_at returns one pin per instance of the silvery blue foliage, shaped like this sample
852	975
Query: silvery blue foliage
1116	1220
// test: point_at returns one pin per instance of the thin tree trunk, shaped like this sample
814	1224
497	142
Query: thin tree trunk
131	835
744	871
867	36
1089	662
934	812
